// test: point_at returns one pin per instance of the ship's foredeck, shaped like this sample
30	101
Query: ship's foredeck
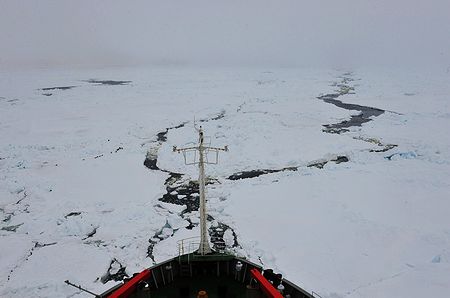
215	287
219	275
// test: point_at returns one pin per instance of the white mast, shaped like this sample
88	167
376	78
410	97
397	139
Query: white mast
202	150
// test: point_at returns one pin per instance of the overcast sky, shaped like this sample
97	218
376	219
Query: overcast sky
225	33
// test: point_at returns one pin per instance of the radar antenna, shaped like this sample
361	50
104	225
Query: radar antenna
202	159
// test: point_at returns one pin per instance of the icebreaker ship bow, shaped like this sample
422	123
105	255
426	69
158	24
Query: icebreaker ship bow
199	271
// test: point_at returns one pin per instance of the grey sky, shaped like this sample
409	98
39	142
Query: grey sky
227	32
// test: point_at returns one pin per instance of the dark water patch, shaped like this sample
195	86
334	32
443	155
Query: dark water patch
257	173
369	111
355	120
318	165
151	245
331	98
97	243
12	228
162	136
40	245
75	213
151	158
178	126
157	237
191	224
249	174
58	88
160	234
107	82
185	194
389	157
150	163
7	217
24	196
217	233
177	193
321	164
340	159
173	178
91	233
115	272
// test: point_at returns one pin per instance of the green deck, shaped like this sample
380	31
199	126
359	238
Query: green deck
217	274
216	287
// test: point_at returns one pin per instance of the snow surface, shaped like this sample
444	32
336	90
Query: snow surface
71	200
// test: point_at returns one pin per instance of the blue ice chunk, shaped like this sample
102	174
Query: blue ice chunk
436	259
404	155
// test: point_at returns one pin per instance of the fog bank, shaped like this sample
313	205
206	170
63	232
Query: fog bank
224	33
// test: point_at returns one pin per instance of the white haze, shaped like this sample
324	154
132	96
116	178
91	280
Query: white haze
224	33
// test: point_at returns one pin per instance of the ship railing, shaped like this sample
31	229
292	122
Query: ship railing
314	294
188	245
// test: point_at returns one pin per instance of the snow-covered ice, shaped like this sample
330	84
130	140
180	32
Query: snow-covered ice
75	194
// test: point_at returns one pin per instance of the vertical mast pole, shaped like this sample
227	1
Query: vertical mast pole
204	247
204	242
